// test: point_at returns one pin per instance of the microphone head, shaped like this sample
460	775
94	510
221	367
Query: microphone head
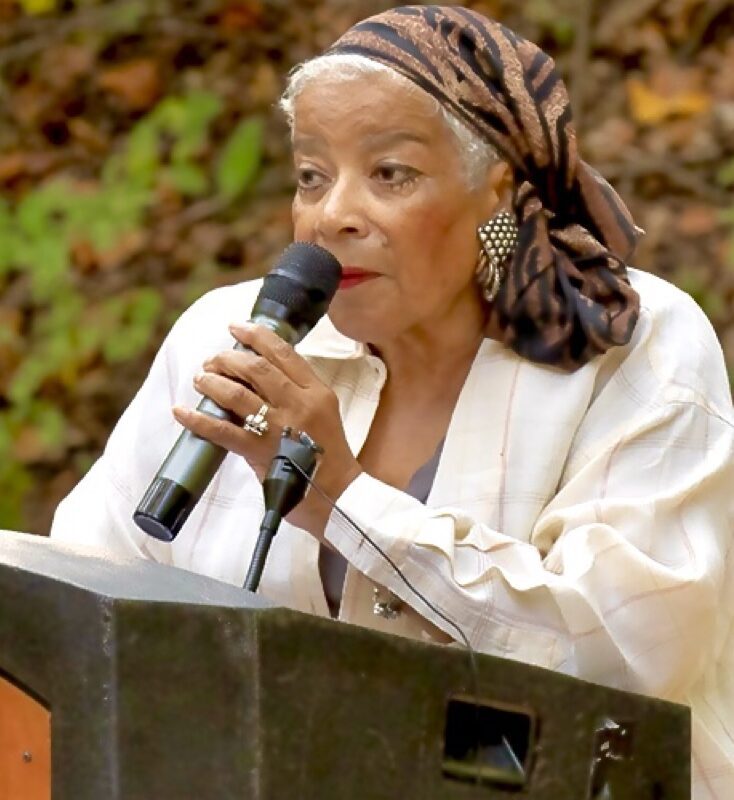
300	287
311	265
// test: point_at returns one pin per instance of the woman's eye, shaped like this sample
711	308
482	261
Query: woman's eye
308	179
395	174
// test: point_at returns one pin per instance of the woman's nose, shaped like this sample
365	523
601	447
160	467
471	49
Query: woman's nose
342	213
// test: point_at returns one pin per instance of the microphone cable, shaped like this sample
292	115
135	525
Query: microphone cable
473	668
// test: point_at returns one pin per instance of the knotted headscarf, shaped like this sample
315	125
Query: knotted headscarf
566	296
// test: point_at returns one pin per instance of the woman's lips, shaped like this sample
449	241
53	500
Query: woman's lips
353	276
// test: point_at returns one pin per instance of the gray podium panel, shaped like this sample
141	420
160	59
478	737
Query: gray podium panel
165	684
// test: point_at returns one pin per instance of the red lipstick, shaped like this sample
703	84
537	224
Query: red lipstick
353	276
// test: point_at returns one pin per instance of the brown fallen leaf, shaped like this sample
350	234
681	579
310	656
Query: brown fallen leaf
62	64
28	447
87	259
18	164
722	80
240	16
29	103
9	10
137	83
84	256
680	17
127	246
11	344
697	220
609	140
88	135
12	166
207	238
264	85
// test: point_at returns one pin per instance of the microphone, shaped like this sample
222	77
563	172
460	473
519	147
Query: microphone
294	296
283	489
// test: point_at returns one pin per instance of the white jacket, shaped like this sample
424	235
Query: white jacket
581	522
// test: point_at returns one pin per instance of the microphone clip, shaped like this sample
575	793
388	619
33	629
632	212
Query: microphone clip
297	449
285	485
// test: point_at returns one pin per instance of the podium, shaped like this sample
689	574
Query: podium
137	681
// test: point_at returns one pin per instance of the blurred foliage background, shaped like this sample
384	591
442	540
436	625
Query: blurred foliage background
143	162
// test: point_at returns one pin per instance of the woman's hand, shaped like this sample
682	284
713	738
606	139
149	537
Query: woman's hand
296	398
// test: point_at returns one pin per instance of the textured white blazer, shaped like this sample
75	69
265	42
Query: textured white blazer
581	522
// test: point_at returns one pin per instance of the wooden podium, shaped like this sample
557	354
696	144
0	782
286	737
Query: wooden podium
136	681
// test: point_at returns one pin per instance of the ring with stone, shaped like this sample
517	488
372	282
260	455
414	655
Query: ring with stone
256	423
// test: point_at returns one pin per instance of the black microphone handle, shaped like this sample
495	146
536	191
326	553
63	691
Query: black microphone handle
191	464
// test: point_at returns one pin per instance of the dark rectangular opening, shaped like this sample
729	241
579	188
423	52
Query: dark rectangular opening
492	743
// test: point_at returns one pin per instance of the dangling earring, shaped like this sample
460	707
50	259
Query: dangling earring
497	239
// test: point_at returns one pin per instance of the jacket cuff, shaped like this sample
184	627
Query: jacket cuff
367	501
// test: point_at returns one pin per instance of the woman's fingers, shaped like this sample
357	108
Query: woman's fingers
253	372
257	450
228	393
276	351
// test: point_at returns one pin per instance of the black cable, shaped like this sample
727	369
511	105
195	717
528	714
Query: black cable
473	669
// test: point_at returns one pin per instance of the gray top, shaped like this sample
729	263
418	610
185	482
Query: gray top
333	566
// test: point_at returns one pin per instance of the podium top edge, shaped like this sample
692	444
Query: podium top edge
117	577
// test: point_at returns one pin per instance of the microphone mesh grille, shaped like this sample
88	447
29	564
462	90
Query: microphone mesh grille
312	266
300	287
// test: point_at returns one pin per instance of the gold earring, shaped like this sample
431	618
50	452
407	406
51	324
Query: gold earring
497	240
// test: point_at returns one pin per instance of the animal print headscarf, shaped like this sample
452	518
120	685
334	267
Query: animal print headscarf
566	296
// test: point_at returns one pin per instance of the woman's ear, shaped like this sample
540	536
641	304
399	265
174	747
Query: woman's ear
505	184
497	188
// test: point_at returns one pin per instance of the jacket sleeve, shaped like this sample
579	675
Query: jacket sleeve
98	511
620	578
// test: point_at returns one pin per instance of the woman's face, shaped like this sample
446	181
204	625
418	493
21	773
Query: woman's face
380	184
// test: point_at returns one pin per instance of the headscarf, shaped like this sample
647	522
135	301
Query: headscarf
566	296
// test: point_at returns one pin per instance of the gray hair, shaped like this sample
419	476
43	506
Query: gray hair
476	154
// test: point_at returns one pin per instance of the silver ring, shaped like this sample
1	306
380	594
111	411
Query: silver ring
256	423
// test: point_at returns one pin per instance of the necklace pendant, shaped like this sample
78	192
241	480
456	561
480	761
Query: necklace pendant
386	604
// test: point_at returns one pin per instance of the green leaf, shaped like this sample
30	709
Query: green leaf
139	311
83	462
197	110
45	209
126	204
9	250
240	158
725	174
37	7
189	179
126	16
28	378
7	434
15	482
49	422
114	169
707	297
563	30
168	114
730	253
49	262
141	157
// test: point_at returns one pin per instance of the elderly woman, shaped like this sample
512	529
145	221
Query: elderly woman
539	438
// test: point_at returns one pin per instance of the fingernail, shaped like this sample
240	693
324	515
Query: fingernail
241	327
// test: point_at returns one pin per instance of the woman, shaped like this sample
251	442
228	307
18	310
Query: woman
540	439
